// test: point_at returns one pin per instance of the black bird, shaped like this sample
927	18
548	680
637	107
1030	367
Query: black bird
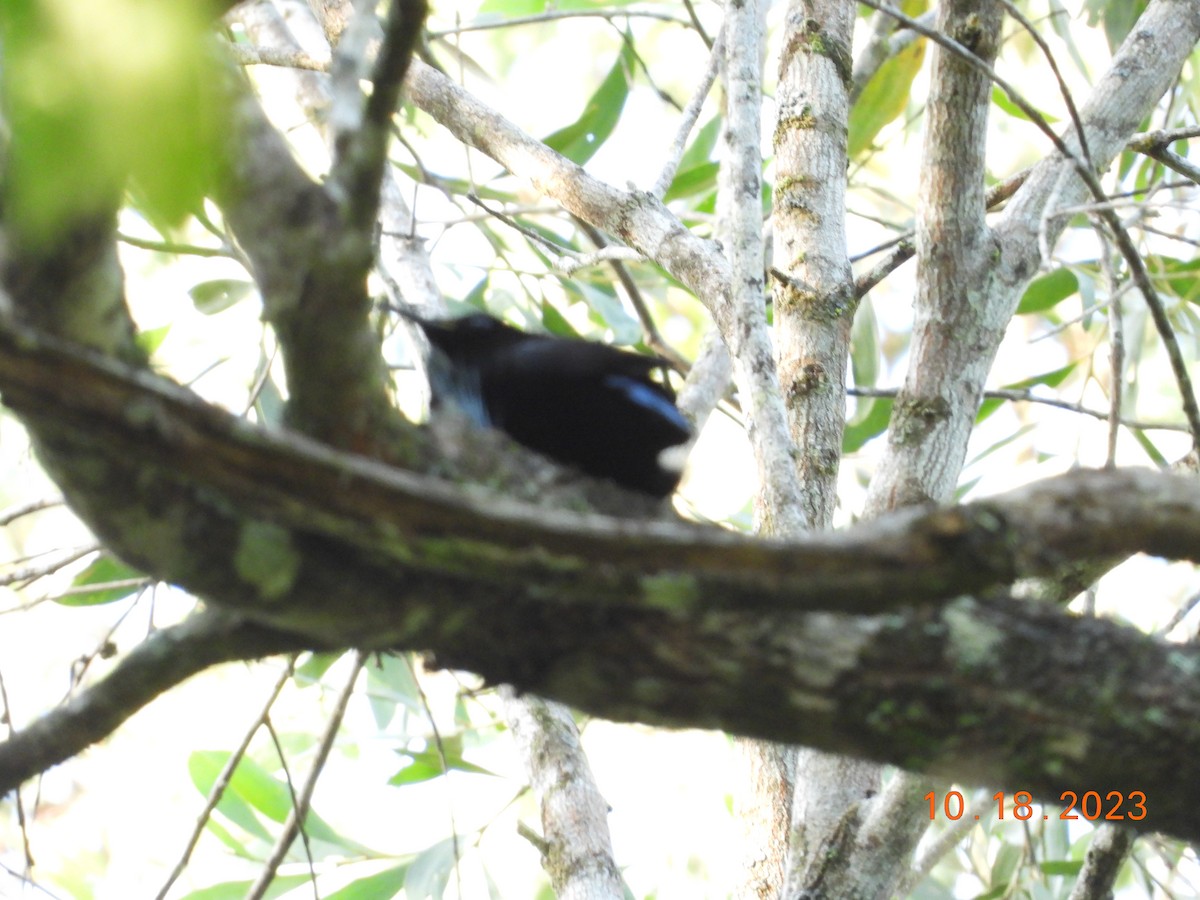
581	403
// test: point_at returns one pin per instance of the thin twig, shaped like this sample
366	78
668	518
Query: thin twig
223	778
557	14
1180	614
356	177
687	120
273	56
300	810
1027	396
650	334
1076	122
441	752
172	247
695	20
904	244
291	786
1156	144
13	513
22	824
1116	352
27	574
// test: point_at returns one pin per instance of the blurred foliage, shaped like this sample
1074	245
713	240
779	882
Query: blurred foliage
101	92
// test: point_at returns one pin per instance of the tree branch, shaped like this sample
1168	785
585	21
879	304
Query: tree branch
311	270
368	508
361	151
583	608
160	662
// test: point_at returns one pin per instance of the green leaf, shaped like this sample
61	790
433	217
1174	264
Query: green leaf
886	95
101	96
700	150
204	766
1061	20
1069	867
864	344
381	886
253	789
1003	442
1179	277
1156	455
870	421
211	297
1000	99
580	140
313	669
425	765
430	872
607	309
1048	290
269	404
237	890
492	10
1119	17
1008	859
152	339
1053	378
390	683
100	576
693	180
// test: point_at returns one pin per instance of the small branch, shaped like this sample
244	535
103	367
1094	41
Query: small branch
223	778
568	264
10	515
651	336
1076	122
696	23
296	804
6	717
576	847
905	248
300	809
954	832
781	507
160	662
707	380
558	14
1156	144
442	761
1116	355
361	152
1108	852
883	44
244	55
687	121
31	573
1026	395
171	247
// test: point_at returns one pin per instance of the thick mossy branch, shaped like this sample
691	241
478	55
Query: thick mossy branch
658	622
154	431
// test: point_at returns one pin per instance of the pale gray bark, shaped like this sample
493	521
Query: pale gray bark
576	847
762	795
